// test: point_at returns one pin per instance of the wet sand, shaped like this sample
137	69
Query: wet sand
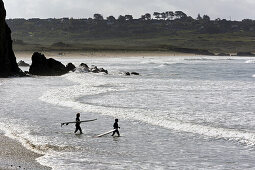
14	156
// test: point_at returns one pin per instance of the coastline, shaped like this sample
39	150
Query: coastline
101	54
15	156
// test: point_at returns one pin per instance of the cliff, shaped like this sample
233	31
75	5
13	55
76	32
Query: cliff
8	64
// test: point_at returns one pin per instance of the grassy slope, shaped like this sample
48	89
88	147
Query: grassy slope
227	42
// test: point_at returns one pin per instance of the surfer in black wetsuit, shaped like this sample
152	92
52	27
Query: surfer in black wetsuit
77	124
116	127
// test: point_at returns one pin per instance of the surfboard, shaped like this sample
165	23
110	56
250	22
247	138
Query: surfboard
106	133
66	123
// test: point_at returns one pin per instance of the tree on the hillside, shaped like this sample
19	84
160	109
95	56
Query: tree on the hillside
98	17
206	18
247	21
128	17
199	18
156	15
170	15
217	19
163	15
147	16
180	15
111	19
121	18
142	17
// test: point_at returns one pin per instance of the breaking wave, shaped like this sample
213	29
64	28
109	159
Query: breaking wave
250	61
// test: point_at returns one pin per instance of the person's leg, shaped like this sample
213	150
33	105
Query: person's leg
118	132
80	130
113	133
76	129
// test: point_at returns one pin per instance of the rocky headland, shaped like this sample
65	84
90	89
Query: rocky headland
8	63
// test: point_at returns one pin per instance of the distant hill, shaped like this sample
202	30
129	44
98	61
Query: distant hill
166	31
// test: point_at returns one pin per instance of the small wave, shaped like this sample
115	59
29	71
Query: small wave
250	61
253	75
169	64
198	59
31	142
163	65
48	147
148	62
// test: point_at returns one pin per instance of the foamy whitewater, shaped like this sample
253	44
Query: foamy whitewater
179	113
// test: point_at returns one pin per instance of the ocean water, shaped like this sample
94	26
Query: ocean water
179	113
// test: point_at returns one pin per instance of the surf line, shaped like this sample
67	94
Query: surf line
56	97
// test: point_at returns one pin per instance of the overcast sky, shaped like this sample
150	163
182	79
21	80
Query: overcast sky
234	9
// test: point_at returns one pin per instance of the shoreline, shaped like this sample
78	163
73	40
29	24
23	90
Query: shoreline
13	155
101	54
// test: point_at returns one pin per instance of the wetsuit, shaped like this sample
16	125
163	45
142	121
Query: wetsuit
116	127
77	125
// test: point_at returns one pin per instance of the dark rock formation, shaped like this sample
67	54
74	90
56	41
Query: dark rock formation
8	64
94	69
46	67
135	73
245	54
70	67
22	63
102	70
84	65
127	73
84	68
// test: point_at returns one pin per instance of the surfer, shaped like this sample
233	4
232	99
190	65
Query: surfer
116	127
77	124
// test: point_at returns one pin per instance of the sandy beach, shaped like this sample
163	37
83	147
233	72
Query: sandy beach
101	54
14	156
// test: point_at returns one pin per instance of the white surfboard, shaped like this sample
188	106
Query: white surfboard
106	133
66	123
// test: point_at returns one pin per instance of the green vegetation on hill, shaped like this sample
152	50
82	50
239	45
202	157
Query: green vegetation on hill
174	31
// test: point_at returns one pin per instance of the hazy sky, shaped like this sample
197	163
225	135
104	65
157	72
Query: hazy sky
236	9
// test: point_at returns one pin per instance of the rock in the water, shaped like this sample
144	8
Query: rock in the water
83	68
94	69
46	67
84	65
102	70
70	67
22	63
127	73
8	63
134	73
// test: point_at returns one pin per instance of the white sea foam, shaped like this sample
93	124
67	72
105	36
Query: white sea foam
88	85
22	134
250	61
